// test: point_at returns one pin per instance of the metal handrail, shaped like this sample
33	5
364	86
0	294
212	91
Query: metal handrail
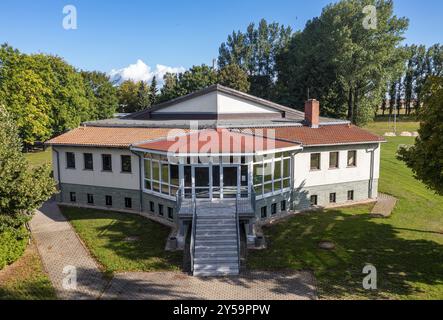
238	231
194	218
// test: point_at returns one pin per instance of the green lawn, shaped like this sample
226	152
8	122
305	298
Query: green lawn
406	249
381	125
25	279
106	235
39	157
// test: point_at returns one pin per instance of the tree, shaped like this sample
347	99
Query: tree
255	51
127	96
342	63
153	90
143	96
425	158
22	189
234	77
102	95
25	94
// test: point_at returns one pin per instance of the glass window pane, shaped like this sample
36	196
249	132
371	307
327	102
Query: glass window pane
147	169
155	171
267	171
165	173
352	158
277	170
258	178
315	161
286	183
156	186
258	189
148	184
165	188
277	186
174	191
268	188
333	160
173	171
286	168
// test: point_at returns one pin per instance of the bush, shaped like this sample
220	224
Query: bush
13	243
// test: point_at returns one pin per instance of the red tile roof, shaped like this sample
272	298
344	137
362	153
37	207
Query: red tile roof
324	135
220	141
108	136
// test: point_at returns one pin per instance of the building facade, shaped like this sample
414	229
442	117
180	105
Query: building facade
214	162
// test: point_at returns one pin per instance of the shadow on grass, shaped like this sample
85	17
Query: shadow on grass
404	266
122	241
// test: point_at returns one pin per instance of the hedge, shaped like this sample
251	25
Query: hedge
13	240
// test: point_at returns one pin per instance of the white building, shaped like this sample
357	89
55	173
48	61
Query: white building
214	163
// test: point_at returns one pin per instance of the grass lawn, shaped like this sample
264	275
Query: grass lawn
25	279
381	125
406	249
106	235
39	157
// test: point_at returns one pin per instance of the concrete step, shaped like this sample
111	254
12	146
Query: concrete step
216	232
216	227
215	260
216	237
215	270
215	248
217	254
216	222
217	242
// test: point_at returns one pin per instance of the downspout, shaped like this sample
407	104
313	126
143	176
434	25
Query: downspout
140	179
59	174
371	175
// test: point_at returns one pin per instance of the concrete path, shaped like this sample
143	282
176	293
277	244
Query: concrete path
64	256
384	206
60	248
249	286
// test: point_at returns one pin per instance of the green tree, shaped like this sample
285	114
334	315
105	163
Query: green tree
425	158
22	189
102	95
234	77
127	96
143	96
255	51
153	90
342	63
25	94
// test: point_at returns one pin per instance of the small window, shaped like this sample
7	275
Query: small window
126	163
264	212
151	206
107	162
90	198
170	213
273	208
352	158
315	161
88	163
333	160
283	205
108	200
70	160
72	196
332	197
128	203
314	200
160	209
350	195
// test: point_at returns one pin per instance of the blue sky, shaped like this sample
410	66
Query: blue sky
115	34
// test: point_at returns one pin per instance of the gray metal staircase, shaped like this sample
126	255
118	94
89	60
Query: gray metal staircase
216	239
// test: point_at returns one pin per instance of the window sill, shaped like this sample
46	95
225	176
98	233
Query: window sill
88	169
314	170
126	172
349	167
108	171
334	168
70	168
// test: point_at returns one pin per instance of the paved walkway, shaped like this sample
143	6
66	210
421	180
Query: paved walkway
60	247
384	206
249	286
61	250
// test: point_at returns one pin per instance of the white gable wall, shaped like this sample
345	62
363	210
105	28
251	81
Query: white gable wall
228	104
202	104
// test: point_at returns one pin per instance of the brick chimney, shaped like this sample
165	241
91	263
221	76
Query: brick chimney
312	113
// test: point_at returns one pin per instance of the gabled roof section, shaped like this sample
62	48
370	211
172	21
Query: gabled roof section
107	137
284	111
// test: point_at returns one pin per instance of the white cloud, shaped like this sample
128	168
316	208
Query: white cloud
140	71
